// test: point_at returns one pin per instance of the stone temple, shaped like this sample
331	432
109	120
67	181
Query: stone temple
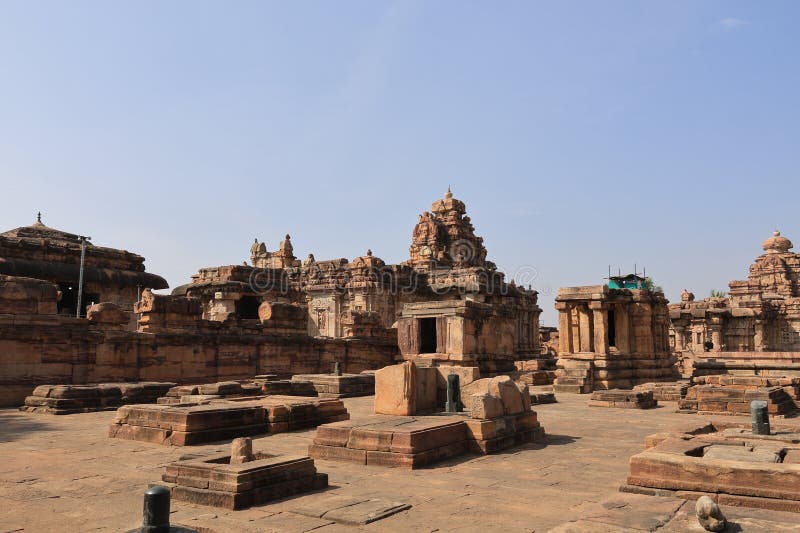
757	324
447	302
288	394
110	275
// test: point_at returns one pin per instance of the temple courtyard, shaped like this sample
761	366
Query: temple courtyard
63	473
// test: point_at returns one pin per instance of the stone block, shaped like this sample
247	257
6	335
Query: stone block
484	406
396	389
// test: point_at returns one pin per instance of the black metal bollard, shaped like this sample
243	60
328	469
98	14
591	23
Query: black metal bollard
337	369
156	510
453	394
760	417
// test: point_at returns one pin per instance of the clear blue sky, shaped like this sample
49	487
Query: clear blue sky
580	134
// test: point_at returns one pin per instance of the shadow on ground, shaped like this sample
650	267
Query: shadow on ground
14	425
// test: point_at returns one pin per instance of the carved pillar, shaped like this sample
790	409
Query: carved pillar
716	337
623	329
600	329
679	336
575	324
585	320
534	328
758	338
564	329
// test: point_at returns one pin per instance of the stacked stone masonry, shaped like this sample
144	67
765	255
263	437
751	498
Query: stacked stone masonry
188	424
724	461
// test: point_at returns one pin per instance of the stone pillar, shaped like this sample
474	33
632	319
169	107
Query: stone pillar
575	322
564	329
758	338
679	332
585	320
716	337
623	333
536	342
600	329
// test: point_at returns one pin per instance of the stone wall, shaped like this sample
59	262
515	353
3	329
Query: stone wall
52	349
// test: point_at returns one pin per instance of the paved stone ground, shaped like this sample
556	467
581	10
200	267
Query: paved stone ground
61	473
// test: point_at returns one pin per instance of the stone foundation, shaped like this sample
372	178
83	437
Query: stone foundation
724	461
665	391
413	442
213	481
70	399
732	395
184	425
344	386
624	399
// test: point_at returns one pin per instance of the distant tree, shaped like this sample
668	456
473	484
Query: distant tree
650	285
718	294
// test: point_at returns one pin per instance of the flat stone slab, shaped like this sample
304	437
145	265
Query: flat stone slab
352	511
625	399
183	425
72	399
344	386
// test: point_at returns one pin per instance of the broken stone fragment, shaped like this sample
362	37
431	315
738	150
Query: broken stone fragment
504	388
709	514
242	450
485	406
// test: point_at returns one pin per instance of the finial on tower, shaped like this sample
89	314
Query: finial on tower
449	193
39	217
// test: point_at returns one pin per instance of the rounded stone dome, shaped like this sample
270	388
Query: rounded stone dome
777	243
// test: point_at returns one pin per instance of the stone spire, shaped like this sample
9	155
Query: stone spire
445	237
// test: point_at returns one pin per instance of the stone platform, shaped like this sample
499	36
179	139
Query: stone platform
731	398
625	399
213	481
415	441
71	399
344	386
665	391
226	390
186	424
724	461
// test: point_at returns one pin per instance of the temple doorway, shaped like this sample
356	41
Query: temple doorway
427	333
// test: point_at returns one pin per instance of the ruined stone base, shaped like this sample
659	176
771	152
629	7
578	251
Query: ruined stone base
535	372
733	399
184	425
71	399
344	386
665	391
213	481
230	390
726	462
416	441
541	397
625	399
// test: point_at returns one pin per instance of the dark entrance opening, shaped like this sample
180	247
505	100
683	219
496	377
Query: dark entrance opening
612	329
427	335
69	298
247	307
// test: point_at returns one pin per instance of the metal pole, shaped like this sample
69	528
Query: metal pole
80	276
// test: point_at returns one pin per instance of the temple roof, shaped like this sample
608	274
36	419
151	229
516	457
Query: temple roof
42	252
777	244
38	230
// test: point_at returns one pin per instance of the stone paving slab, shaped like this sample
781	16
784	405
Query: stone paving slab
65	474
352	511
